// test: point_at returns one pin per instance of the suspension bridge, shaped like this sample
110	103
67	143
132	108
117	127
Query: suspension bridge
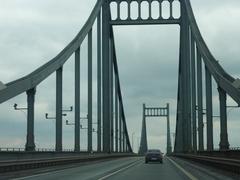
114	158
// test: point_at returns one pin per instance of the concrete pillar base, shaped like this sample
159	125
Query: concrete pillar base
224	144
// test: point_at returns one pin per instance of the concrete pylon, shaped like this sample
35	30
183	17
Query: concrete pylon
143	144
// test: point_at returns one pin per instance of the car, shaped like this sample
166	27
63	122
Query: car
154	155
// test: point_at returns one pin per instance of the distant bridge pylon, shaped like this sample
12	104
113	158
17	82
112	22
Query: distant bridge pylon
154	112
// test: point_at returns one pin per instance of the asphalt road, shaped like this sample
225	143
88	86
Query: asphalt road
133	169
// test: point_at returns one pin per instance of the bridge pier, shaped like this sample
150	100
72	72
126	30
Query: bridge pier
200	101
224	144
58	146
209	111
30	144
185	69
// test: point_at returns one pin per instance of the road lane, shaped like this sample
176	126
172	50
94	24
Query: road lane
152	171
91	171
171	169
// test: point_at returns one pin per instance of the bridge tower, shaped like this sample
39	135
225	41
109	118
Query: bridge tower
106	65
154	112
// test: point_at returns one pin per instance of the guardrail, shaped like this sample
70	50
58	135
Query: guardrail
232	153
10	149
16	165
13	149
231	148
227	164
235	148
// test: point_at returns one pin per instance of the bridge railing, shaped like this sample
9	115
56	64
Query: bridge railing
15	149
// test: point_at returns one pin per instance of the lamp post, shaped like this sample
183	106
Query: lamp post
46	114
81	126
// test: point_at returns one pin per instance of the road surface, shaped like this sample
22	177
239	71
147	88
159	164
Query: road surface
128	169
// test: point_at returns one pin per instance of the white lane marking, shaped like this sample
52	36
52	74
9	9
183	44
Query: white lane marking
118	171
189	175
207	172
48	172
42	174
38	175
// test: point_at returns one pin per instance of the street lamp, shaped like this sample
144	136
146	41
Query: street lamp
63	114
81	127
68	123
47	117
68	110
202	110
15	106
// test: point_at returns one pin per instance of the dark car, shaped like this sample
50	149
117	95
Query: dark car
154	155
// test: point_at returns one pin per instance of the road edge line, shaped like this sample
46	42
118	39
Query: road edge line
189	175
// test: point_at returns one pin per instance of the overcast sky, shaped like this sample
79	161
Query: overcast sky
33	32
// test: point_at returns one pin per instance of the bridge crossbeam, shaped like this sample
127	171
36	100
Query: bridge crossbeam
145	22
128	8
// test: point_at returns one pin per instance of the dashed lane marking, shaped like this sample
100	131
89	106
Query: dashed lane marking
118	171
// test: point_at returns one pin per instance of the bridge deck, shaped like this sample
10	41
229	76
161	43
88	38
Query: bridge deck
128	169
